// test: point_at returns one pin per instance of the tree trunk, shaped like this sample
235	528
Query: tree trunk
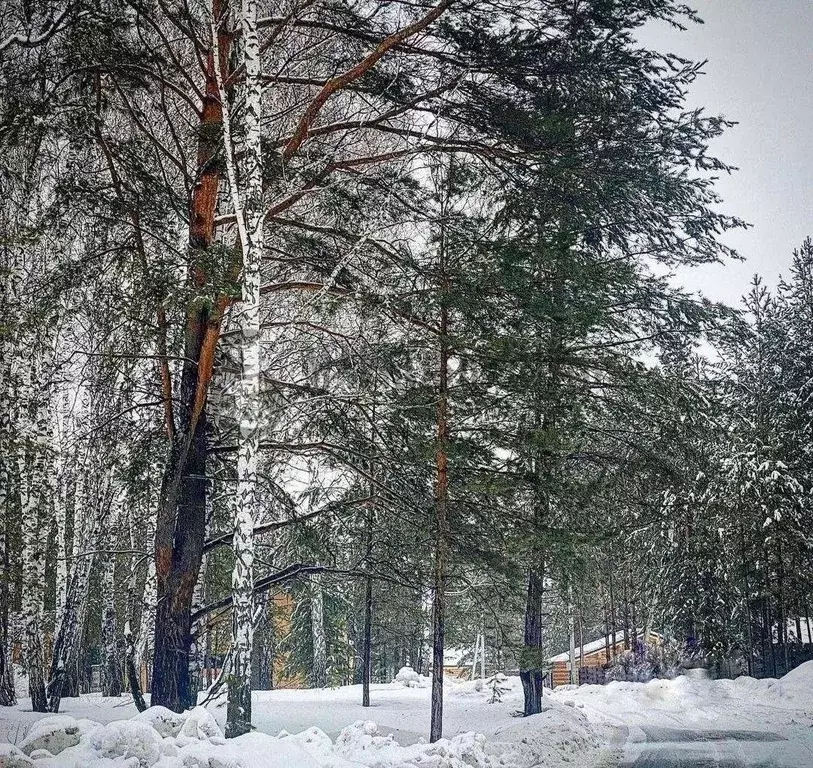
181	521
442	530
132	671
367	639
134	598
367	643
545	405
146	629
317	604
531	672
249	212
196	649
633	619
571	626
613	616
32	494
179	547
65	660
626	616
7	694
60	509
7	463
111	681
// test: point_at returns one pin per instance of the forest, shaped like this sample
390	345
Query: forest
335	334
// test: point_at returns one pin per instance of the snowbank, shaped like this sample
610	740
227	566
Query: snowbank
696	701
158	738
480	734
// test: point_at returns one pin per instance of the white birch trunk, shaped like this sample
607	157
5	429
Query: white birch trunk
66	643
197	652
60	513
32	486
146	628
249	214
130	671
7	464
7	694
111	665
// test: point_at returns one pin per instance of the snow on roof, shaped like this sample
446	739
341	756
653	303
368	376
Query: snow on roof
453	657
596	645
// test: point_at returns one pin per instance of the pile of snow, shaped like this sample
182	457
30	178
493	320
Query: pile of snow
691	699
159	738
409	678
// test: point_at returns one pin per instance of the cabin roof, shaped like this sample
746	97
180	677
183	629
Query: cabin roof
594	646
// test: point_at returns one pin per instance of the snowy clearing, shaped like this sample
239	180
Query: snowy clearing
689	721
330	730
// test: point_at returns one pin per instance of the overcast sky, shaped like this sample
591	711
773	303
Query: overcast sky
760	73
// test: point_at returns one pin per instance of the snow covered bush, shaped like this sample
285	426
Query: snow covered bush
409	678
646	662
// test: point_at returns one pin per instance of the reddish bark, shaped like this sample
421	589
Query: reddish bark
181	524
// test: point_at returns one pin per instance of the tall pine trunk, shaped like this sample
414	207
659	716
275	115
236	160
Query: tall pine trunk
545	406
181	521
531	673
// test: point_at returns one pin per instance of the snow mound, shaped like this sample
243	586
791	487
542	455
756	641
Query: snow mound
363	743
801	677
409	678
11	757
160	739
52	734
138	744
163	720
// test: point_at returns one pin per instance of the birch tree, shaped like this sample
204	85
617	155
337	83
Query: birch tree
246	185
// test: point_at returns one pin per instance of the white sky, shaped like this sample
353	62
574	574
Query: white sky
760	73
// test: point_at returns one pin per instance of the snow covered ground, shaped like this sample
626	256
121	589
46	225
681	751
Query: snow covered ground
692	721
330	730
662	724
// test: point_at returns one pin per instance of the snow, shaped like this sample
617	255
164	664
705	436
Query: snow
53	733
11	757
410	678
596	645
457	657
744	721
321	728
586	726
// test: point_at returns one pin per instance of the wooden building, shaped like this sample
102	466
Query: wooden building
592	657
